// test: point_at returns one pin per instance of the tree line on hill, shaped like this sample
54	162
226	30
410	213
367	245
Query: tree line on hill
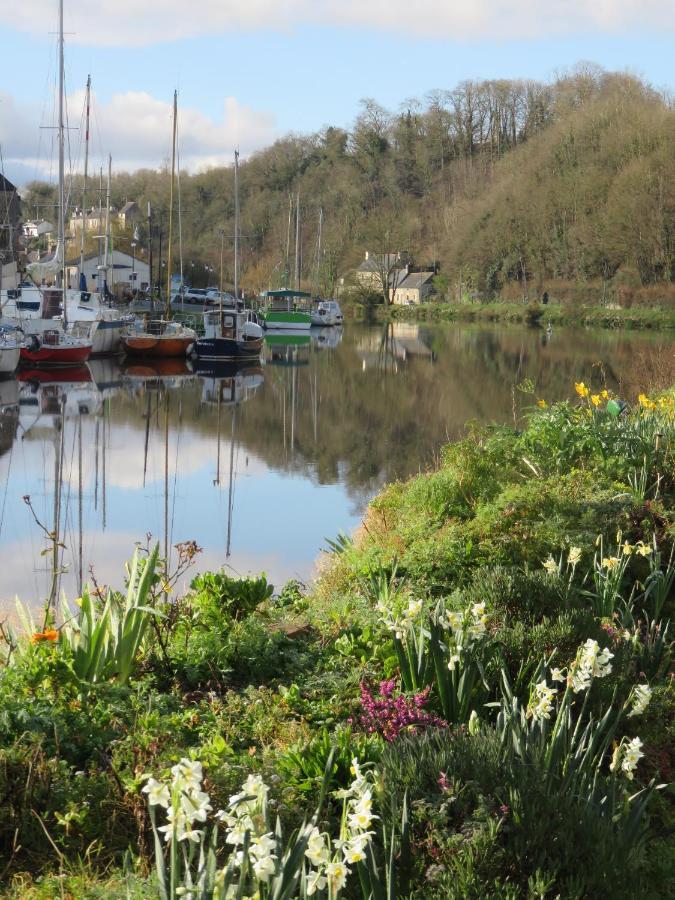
505	186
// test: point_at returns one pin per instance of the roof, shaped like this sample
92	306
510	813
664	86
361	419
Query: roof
377	261
75	260
414	280
285	292
128	207
6	186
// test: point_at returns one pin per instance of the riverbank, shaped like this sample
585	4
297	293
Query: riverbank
474	700
658	319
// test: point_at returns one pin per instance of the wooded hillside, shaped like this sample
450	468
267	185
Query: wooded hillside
511	187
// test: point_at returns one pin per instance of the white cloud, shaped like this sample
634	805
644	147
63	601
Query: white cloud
128	23
135	128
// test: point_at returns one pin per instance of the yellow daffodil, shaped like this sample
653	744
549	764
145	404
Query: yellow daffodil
542	404
595	399
581	389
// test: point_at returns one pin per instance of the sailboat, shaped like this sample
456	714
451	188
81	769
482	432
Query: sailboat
48	344
23	305
11	340
162	337
232	333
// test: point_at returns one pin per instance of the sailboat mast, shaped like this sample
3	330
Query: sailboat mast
297	242
84	180
236	224
287	261
173	170
60	248
106	258
317	286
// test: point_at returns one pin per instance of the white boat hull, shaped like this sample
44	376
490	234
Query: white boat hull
9	359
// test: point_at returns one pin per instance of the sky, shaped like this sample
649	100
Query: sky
250	71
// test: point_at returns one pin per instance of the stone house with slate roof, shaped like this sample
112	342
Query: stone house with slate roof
414	288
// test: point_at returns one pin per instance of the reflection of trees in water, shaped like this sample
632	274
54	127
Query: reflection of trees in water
352	415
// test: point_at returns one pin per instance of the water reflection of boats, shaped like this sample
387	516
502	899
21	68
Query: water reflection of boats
158	368
43	403
158	373
60	375
287	349
229	384
107	375
9	413
326	338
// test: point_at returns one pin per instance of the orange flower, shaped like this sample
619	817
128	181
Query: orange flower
48	635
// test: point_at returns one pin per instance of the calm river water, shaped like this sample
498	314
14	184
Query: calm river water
260	466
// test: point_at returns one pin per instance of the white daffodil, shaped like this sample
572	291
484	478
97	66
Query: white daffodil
591	662
187	775
264	867
337	873
190	834
574	556
551	566
414	609
158	793
641	695
316	881
557	675
196	805
317	851
632	754
541	701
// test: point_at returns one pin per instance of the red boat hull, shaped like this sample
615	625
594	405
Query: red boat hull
56	356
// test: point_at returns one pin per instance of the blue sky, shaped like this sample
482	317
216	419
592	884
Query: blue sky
250	82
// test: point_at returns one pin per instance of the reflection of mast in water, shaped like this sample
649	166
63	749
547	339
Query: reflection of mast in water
56	533
147	436
103	462
230	493
229	385
166	479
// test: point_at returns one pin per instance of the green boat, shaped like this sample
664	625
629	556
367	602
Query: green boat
286	309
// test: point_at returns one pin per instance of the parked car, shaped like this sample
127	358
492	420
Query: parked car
213	298
190	295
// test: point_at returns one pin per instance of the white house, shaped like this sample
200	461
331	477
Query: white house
127	271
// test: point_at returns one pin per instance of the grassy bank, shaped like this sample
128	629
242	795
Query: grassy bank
474	701
655	318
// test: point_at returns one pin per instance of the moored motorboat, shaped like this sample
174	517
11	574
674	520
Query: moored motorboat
326	312
229	334
286	309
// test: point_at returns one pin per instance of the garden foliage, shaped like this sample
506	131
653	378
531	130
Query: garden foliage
474	701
